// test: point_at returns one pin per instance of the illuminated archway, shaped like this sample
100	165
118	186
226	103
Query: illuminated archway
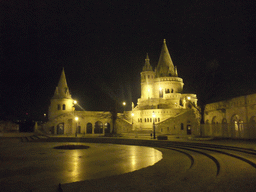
234	126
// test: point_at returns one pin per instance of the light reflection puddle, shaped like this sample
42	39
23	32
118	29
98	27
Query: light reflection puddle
104	160
98	161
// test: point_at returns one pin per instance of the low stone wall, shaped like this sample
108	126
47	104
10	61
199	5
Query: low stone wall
16	134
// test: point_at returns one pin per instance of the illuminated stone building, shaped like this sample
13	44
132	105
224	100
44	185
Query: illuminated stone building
162	103
233	118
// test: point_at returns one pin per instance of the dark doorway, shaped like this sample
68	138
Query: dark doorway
188	129
60	129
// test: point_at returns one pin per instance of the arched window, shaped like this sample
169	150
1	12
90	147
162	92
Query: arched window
172	90
147	119
98	128
181	126
150	119
158	119
63	107
58	107
161	93
149	76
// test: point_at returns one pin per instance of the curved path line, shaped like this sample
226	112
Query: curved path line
187	154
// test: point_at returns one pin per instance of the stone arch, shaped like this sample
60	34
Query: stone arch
60	129
234	125
89	128
98	128
214	121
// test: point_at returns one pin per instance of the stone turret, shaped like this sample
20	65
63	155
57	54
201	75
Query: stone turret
165	67
61	101
62	90
147	80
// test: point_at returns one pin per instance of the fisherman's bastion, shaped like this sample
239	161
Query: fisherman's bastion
162	109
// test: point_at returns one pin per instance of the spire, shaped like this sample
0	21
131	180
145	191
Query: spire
165	65
147	66
62	90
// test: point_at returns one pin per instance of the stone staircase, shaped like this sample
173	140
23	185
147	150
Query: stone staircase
33	137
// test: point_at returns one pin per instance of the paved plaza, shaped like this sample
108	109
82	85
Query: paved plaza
37	166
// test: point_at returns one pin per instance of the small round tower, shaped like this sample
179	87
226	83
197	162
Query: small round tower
147	80
62	101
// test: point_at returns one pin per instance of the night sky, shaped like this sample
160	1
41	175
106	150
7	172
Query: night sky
102	46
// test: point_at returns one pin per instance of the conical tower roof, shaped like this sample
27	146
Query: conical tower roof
147	66
165	65
62	90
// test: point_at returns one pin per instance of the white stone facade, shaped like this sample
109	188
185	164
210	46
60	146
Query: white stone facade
162	97
233	118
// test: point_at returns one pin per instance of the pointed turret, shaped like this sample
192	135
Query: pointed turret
62	90
165	65
147	80
147	66
61	101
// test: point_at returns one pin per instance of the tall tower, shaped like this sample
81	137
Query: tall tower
167	82
165	67
147	80
61	101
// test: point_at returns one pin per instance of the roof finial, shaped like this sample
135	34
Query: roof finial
164	41
147	56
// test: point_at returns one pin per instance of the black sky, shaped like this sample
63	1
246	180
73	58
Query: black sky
102	46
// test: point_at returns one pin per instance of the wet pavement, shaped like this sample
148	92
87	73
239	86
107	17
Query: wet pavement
37	165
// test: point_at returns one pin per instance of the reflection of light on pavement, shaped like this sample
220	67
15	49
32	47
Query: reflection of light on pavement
75	165
145	155
133	157
154	156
